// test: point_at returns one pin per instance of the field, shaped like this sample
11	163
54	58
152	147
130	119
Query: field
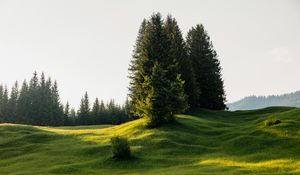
206	142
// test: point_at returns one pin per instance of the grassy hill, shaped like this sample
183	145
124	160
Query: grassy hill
206	142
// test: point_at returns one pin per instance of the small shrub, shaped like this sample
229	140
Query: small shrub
120	148
272	122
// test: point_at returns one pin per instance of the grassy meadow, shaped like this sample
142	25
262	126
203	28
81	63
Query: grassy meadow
205	142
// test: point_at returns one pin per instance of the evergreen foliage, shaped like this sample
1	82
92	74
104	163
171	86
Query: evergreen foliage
153	73
168	75
120	148
183	65
207	69
38	103
84	110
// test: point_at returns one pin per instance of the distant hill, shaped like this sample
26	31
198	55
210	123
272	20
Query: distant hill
257	102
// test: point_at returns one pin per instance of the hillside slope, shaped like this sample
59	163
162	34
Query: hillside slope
257	102
204	143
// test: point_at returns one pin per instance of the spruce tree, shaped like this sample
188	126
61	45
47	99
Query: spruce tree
24	104
1	103
96	111
57	108
67	114
165	98
135	67
179	57
12	104
84	110
33	93
5	110
44	102
207	69
154	60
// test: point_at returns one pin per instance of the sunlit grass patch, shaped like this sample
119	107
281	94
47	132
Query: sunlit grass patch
277	165
207	142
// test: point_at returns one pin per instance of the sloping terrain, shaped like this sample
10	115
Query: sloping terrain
257	102
206	142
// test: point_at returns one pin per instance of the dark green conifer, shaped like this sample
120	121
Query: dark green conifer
84	110
12	104
207	69
178	55
154	60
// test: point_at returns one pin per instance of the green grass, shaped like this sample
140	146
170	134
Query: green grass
205	142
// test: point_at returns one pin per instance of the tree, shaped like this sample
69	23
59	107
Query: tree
178	55
5	111
135	69
207	69
165	97
151	65
1	102
67	114
24	104
84	110
44	110
33	110
58	113
96	111
12	103
73	118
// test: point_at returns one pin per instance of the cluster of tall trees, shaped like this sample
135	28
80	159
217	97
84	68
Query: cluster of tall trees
170	75
37	102
99	113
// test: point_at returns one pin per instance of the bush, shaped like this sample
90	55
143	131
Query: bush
120	148
272	122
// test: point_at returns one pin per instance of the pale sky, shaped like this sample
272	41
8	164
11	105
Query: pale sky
86	45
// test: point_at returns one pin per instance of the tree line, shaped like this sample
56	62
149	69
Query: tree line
170	74
37	102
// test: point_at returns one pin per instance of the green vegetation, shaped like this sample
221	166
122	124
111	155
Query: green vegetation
272	122
170	75
38	103
205	142
120	148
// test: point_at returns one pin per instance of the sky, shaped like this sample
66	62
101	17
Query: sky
86	45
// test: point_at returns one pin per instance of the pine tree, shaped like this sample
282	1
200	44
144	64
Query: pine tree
165	97
44	102
1	103
12	104
84	110
5	111
180	60
58	112
154	60
207	69
33	108
135	89
24	104
96	113
67	114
